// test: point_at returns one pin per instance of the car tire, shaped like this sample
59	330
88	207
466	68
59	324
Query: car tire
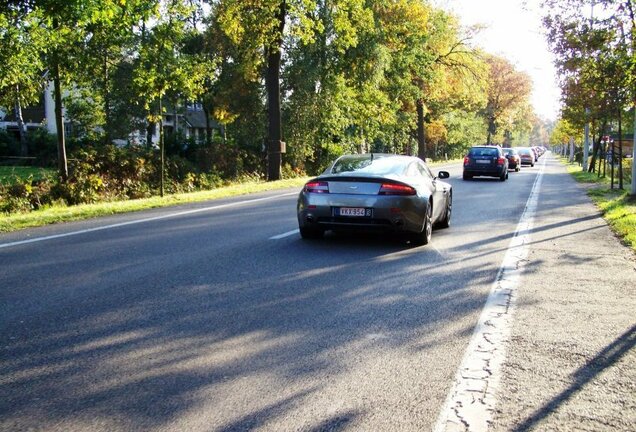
467	176
424	237
504	176
532	165
311	233
445	223
517	169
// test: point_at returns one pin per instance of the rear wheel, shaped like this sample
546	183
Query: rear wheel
445	223
467	176
504	176
311	233
424	237
517	168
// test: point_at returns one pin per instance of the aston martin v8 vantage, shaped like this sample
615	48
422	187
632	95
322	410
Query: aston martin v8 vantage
373	191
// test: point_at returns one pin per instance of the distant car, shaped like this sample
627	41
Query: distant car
485	161
378	192
535	151
527	156
514	161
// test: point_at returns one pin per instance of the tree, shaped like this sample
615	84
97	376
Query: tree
455	79
595	59
263	28
507	90
164	69
22	81
109	44
325	81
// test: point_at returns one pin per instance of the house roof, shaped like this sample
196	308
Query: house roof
196	119
29	115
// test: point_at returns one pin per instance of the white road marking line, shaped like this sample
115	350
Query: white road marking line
283	235
138	221
471	401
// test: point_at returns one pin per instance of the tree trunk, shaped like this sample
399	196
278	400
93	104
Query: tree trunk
208	127
612	165
596	148
492	130
633	191
421	132
620	150
59	122
149	133
272	82
630	9
24	148
107	112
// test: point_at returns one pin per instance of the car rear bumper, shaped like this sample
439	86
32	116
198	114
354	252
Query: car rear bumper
497	171
389	214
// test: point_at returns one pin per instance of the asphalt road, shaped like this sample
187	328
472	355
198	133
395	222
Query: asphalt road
214	320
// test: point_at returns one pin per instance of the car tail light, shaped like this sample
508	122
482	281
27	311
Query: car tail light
396	189
466	160
501	160
317	187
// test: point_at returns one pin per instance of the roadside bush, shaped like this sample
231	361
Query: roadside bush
108	173
111	172
8	144
25	195
43	146
289	172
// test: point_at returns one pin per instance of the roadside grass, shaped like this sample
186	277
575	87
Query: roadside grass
59	213
431	163
617	206
8	174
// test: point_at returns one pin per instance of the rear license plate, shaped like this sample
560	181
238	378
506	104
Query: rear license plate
483	161
354	211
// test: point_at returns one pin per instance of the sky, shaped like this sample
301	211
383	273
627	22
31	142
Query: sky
513	30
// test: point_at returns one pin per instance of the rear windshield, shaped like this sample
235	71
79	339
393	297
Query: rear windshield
483	151
367	164
509	151
525	151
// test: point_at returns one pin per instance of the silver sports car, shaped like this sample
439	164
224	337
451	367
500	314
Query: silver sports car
376	192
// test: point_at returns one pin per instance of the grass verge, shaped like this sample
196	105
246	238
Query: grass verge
56	214
9	173
617	206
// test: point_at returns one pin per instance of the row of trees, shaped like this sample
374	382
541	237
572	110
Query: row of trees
595	45
325	76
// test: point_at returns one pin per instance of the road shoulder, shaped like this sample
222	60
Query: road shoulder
571	361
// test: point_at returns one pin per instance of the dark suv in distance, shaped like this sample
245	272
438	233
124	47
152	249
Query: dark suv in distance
485	161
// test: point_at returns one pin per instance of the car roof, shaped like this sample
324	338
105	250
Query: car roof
393	164
401	158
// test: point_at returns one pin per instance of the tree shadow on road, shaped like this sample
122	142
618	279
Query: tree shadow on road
584	375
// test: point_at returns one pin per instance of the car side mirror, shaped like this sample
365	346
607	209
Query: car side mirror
443	174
